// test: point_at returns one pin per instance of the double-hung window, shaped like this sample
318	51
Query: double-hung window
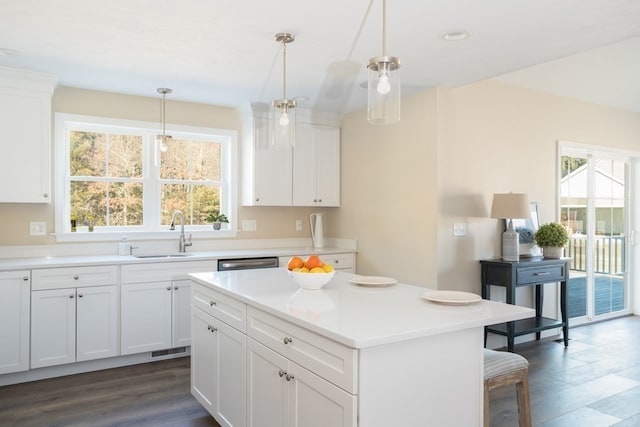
116	177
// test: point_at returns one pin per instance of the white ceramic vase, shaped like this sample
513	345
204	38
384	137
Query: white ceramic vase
552	252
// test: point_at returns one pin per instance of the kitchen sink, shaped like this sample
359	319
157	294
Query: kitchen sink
163	256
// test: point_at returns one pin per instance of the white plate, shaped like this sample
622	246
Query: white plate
452	297
373	281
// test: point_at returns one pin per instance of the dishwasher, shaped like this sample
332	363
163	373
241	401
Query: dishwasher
247	263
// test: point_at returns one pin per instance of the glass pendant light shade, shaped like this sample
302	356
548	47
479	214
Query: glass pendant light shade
284	122
383	105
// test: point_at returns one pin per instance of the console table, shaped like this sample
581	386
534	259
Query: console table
529	271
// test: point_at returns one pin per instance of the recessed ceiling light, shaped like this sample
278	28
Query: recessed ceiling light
8	52
455	35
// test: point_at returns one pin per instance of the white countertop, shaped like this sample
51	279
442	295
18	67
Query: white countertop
110	259
354	315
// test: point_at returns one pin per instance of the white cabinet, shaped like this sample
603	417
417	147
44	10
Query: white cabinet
282	393
25	120
15	288
307	174
74	315
218	369
316	166
155	305
270	177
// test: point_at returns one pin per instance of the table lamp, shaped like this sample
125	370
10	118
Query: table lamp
510	206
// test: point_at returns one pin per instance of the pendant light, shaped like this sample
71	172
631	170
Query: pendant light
284	113
383	105
163	138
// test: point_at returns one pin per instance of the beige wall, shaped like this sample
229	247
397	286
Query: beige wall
271	222
404	186
389	176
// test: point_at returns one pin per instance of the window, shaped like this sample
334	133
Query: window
116	177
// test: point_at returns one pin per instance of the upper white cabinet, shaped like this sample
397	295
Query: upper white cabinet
25	121
15	288
307	174
316	166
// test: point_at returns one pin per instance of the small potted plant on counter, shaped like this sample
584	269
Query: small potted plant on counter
217	219
552	237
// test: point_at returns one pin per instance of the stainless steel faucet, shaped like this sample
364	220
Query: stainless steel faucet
182	243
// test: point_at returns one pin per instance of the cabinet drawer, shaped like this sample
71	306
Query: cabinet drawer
158	271
551	273
73	277
322	356
220	306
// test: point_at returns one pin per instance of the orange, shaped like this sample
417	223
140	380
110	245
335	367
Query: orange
313	261
295	262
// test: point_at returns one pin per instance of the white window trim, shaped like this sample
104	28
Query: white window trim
61	190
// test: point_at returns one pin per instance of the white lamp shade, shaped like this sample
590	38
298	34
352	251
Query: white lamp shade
510	206
284	128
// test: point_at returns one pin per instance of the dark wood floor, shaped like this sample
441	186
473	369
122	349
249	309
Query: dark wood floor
593	383
152	394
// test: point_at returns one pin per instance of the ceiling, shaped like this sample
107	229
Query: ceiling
223	52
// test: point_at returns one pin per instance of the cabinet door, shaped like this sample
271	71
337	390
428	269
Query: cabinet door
15	291
145	317
272	168
327	145
204	366
218	369
316	166
316	402
53	327
25	120
267	391
181	313
97	322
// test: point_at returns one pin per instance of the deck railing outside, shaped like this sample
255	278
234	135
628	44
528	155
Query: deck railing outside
608	254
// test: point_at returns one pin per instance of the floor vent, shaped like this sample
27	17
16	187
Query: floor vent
169	352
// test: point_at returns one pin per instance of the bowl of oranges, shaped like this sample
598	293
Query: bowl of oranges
310	273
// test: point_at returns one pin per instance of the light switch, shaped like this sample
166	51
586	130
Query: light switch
459	229
298	225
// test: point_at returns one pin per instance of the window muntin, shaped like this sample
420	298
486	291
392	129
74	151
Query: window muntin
116	176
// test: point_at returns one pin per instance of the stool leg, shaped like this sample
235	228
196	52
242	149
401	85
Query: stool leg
524	405
486	404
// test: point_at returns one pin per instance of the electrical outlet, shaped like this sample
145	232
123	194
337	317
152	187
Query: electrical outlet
298	225
249	225
459	229
37	228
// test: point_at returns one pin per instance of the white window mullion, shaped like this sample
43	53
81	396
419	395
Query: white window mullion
151	186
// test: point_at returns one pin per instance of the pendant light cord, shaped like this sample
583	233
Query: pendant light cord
284	70
384	27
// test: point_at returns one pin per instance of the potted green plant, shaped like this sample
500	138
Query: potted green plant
552	237
217	219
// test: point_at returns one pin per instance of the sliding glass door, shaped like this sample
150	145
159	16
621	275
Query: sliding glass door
594	206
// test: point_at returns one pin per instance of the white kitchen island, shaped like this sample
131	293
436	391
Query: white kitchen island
267	353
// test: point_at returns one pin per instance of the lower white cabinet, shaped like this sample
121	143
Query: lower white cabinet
218	369
15	288
282	393
73	324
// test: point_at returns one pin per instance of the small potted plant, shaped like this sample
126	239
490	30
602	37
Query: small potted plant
217	219
552	237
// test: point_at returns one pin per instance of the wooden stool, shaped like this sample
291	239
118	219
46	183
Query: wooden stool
502	369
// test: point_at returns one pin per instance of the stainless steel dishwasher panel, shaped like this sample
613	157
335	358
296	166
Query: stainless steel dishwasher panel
247	263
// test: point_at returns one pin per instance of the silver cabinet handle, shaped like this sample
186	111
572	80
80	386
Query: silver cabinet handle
544	273
287	340
72	296
289	377
212	328
168	288
25	278
46	195
212	303
175	288
282	373
75	277
80	295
